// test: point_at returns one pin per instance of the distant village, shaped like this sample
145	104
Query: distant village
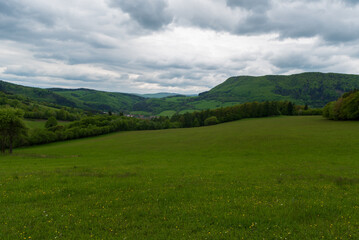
139	116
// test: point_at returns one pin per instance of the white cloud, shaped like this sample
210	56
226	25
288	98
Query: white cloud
171	45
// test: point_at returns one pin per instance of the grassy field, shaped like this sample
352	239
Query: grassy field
168	113
270	178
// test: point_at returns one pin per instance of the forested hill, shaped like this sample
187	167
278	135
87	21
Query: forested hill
315	89
37	94
159	95
78	98
100	100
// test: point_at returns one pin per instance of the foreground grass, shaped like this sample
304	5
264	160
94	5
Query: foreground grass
271	178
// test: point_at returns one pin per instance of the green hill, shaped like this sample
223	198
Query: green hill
37	94
315	89
269	178
39	109
159	95
99	100
78	98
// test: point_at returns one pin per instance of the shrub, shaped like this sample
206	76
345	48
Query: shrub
210	121
51	122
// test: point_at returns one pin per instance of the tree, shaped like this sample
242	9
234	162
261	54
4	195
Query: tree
210	121
51	122
11	127
290	108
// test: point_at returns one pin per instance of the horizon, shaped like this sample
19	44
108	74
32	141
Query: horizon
185	94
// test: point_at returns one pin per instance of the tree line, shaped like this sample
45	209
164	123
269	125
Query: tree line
101	124
37	110
345	108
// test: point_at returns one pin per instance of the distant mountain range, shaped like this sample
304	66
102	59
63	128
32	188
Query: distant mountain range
159	95
314	89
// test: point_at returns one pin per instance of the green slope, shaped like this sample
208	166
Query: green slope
315	89
78	98
270	178
37	94
39	109
158	95
99	100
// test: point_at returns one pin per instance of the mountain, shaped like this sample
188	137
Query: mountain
99	100
314	89
77	98
37	94
159	95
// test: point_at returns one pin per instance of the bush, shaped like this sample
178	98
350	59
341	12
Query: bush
210	121
51	122
345	108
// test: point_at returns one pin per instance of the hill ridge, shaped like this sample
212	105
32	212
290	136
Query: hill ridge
313	88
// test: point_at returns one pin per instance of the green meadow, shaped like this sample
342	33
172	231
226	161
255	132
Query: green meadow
268	178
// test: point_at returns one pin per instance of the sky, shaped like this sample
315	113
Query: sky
180	46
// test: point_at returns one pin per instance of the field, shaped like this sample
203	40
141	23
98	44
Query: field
269	178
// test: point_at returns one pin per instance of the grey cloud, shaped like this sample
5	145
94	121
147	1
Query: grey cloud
95	38
294	61
301	21
351	2
251	4
20	72
8	8
42	28
30	72
150	14
182	82
152	64
184	75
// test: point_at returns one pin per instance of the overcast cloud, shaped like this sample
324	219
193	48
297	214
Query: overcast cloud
182	46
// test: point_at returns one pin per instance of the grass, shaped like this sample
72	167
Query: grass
270	178
141	113
168	113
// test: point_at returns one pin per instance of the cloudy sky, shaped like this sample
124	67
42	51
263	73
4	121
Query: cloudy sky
183	46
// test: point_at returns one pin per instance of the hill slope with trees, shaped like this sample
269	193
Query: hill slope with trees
99	100
313	89
86	99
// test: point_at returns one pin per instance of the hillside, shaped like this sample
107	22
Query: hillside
78	98
39	109
159	95
37	94
99	100
315	89
268	178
